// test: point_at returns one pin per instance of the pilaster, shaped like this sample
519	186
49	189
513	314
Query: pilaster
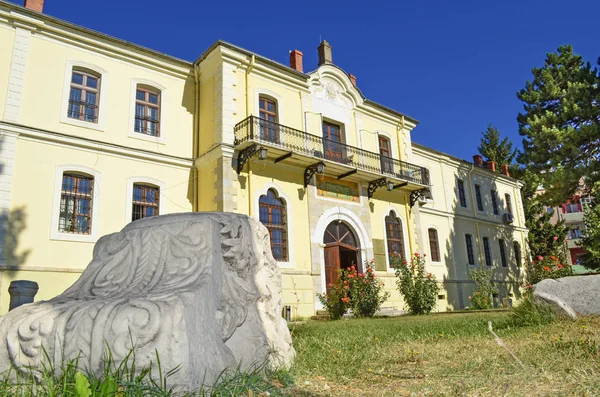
16	77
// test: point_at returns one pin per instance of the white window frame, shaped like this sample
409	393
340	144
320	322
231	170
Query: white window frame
148	181
404	237
70	64
290	263
55	234
163	116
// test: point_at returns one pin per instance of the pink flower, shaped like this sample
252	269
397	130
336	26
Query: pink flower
469	298
417	254
345	287
555	238
541	258
566	239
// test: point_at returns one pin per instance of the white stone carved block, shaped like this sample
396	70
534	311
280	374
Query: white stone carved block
202	289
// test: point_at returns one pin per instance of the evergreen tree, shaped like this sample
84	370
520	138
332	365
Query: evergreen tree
561	123
494	149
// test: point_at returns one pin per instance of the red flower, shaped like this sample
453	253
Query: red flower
546	269
560	266
369	270
417	254
346	287
352	267
553	258
555	238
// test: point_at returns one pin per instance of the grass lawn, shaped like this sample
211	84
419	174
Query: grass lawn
445	354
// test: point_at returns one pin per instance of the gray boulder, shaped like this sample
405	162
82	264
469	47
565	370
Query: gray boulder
572	296
202	289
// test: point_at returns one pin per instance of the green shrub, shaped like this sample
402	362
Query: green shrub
359	292
547	267
530	313
418	288
482	297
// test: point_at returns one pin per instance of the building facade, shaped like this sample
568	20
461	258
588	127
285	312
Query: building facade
108	132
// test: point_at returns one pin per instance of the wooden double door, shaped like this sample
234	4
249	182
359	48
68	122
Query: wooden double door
341	250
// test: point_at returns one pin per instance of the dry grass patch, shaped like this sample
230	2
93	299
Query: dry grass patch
451	355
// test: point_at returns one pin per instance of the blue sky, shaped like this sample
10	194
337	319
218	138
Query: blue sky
453	65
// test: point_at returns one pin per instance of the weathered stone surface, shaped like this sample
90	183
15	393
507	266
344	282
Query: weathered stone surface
577	295
201	288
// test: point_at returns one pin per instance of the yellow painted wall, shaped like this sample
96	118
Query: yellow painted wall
7	37
44	87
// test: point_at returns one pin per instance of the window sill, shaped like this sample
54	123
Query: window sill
82	238
148	138
285	265
83	124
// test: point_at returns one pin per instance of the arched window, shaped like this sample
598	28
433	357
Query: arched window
395	236
147	110
84	95
144	201
76	198
272	214
434	245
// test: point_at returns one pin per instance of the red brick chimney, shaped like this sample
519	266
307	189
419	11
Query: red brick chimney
352	79
35	5
491	166
478	160
296	60
504	169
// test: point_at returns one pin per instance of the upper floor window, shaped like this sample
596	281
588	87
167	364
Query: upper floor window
517	249
385	152
508	203
267	111
575	233
487	250
478	197
494	202
461	193
147	110
84	96
395	236
332	142
470	253
144	202
503	252
75	214
571	208
434	245
272	214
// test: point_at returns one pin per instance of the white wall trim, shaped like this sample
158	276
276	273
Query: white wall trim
162	108
16	77
348	217
102	110
290	264
96	204
405	242
146	180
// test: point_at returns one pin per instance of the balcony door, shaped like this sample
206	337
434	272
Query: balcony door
385	152
269	130
332	142
341	250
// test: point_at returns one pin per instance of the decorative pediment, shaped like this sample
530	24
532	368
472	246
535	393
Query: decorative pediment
331	84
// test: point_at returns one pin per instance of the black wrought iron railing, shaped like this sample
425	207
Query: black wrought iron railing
272	134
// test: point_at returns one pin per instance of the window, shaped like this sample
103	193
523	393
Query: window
272	214
434	246
84	96
461	193
508	203
517	248
572	208
575	233
268	115
478	196
144	202
385	153
502	252
494	202
76	204
395	237
470	253
332	142
147	110
487	251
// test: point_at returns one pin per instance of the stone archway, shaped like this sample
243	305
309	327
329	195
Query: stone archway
341	251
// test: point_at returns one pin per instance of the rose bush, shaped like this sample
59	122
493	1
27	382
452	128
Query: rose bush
418	287
482	297
547	267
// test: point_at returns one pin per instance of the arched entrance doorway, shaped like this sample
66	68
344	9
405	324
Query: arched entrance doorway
342	250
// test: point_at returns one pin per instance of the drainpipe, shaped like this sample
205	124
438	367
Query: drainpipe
248	183
196	139
398	137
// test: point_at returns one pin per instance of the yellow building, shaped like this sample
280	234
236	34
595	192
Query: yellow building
108	132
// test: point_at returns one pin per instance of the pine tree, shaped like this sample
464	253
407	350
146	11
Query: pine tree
494	149
561	123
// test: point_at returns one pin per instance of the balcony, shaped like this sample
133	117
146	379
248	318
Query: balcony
341	160
573	217
573	243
